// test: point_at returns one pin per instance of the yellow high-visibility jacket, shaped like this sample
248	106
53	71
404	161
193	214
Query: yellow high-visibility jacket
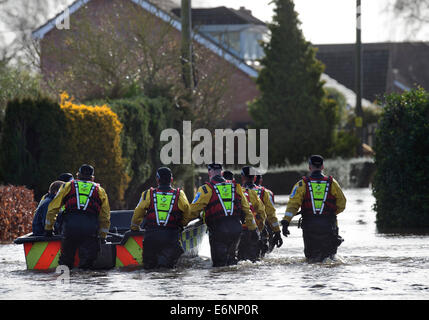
270	210
258	207
145	201
297	196
203	197
57	203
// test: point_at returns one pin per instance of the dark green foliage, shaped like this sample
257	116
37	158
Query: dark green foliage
32	137
345	146
401	182
292	103
143	120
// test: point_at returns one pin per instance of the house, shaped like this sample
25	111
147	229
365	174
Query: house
241	77
237	30
386	67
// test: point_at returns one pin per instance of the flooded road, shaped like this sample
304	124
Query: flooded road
370	266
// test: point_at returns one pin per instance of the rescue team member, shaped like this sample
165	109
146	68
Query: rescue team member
320	199
42	209
226	208
86	219
162	210
272	226
66	177
250	247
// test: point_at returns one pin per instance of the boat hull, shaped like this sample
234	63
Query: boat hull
122	249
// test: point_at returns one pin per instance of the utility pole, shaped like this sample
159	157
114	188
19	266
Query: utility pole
358	80
187	72
186	44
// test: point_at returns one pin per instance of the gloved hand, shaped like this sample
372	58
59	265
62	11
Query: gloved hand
277	239
254	235
48	233
285	225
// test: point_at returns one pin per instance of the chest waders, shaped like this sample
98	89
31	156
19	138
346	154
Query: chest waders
225	193
163	203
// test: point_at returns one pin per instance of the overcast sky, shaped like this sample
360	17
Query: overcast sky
331	21
323	21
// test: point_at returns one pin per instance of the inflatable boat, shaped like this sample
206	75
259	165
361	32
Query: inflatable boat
123	248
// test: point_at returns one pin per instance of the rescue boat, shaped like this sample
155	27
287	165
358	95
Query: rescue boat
123	248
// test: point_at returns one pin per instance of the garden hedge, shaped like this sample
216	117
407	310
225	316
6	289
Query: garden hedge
401	181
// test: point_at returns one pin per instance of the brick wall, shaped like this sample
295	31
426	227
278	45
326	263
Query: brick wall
241	88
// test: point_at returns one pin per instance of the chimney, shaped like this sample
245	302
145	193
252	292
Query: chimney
243	9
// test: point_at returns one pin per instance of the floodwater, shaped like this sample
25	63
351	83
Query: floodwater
370	265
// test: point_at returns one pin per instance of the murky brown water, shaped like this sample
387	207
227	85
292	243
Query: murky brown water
370	266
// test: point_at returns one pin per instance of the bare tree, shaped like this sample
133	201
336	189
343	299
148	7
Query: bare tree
415	13
20	18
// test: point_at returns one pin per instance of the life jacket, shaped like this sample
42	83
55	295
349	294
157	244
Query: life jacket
83	197
224	202
318	200
164	209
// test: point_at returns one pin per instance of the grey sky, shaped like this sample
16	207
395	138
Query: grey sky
327	21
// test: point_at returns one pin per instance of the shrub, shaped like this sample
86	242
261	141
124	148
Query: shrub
401	183
32	143
94	137
42	139
143	118
17	207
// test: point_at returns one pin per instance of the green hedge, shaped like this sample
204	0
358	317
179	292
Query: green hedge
143	120
32	137
42	139
401	182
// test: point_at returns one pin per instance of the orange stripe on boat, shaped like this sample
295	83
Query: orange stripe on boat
48	255
139	240
27	247
124	256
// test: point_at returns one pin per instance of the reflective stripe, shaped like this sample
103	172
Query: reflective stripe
275	224
222	197
104	230
162	215
141	199
289	214
315	201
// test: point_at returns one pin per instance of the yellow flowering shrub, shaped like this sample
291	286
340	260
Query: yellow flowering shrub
93	137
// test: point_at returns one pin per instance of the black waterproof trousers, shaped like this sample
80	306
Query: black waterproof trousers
161	248
321	238
79	232
249	248
224	237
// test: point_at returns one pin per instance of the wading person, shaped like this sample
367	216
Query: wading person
321	199
272	227
40	214
249	247
161	210
226	208
86	218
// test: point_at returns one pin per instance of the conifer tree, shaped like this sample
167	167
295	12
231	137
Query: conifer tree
292	103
